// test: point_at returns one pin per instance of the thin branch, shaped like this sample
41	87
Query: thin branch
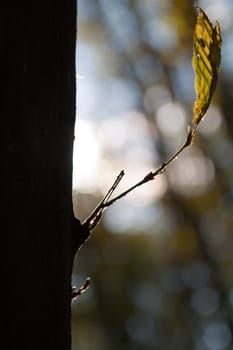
94	218
91	222
152	174
77	292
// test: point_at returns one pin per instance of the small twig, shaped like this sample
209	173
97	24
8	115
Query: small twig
152	174
91	222
76	293
97	213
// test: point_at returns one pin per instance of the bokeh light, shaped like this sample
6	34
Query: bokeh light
160	261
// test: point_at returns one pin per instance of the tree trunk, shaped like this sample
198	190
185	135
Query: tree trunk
37	56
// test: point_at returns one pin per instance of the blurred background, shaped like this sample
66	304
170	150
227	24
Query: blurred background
161	260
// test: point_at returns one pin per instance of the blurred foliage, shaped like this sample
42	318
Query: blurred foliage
161	260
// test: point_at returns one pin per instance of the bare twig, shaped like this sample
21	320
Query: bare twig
91	222
77	292
152	174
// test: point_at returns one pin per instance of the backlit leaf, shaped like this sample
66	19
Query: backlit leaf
206	63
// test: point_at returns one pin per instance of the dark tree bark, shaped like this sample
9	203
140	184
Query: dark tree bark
37	56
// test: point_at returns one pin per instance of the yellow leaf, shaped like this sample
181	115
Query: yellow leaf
206	63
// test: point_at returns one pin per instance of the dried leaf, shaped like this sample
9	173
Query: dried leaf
206	63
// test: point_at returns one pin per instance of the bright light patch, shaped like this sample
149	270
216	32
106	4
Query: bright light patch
217	336
171	119
192	173
85	157
212	122
126	144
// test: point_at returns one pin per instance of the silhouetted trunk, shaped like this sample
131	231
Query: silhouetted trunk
37	56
